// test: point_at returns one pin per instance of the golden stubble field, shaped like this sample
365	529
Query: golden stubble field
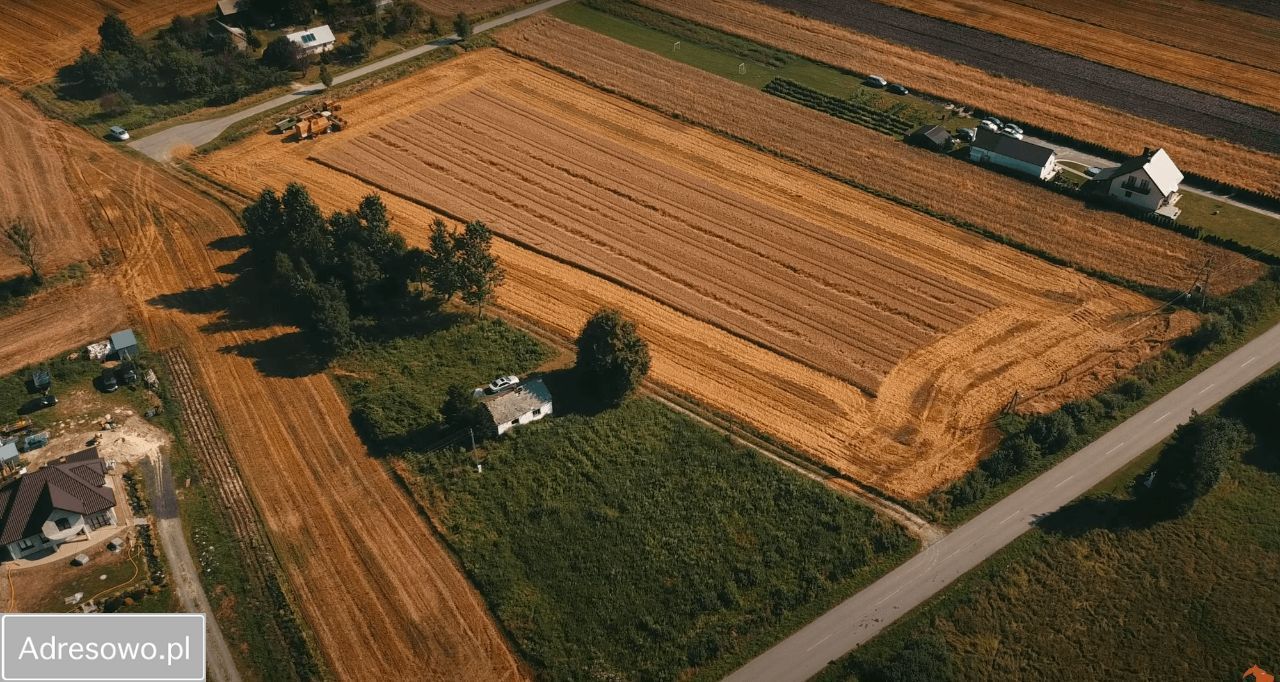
766	292
39	36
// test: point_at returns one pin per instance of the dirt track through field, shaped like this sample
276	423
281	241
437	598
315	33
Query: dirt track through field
1008	98
1051	329
1070	75
37	37
383	597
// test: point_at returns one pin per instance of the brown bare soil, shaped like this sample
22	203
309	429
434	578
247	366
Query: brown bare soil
1098	240
383	597
64	318
1117	46
1035	327
37	37
36	191
1011	99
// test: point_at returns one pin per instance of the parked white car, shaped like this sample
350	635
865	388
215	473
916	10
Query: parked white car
1011	131
117	133
497	385
988	125
875	81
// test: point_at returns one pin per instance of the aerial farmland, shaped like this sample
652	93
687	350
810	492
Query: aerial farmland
651	339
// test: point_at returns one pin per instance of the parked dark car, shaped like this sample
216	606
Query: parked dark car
897	89
107	381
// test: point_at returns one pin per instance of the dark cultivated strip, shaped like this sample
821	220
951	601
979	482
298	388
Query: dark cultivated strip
1138	95
1267	8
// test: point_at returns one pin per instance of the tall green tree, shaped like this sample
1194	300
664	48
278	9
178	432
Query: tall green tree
1195	460
325	76
117	36
442	262
23	240
478	271
612	357
286	55
461	409
462	25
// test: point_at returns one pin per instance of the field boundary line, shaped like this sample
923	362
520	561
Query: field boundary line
927	533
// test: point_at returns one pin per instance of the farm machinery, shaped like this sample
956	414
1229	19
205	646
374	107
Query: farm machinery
313	122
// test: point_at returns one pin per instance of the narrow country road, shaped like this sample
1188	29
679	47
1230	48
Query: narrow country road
183	571
161	145
864	615
1071	154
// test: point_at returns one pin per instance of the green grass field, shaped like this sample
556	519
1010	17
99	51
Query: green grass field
1226	220
630	543
736	58
1102	598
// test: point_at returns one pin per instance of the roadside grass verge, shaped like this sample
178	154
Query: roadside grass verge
1093	595
1247	227
628	542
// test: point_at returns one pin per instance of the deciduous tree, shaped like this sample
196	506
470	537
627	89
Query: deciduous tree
612	357
23	240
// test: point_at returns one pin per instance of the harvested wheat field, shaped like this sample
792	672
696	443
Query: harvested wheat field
64	318
683	230
381	595
1098	240
37	37
36	190
1117	46
1007	98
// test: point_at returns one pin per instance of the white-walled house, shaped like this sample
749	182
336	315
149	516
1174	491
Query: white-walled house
62	502
314	40
1017	155
523	403
1148	181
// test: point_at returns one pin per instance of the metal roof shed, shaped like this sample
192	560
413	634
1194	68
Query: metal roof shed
125	344
9	454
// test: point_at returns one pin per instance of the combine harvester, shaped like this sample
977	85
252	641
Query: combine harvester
314	122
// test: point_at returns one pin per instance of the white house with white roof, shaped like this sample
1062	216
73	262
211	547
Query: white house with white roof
314	40
1148	181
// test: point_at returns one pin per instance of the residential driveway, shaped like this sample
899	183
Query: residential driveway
183	571
161	145
863	616
1066	153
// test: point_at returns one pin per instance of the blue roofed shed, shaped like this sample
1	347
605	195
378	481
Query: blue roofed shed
125	345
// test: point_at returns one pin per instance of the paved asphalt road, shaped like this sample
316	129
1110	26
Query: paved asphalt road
160	145
1069	154
186	577
864	615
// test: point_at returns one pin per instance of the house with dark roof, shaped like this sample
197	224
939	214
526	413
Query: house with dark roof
523	403
60	503
1148	181
933	137
1017	155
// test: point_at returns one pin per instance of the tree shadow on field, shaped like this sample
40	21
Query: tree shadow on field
286	356
237	305
234	242
570	394
1099	512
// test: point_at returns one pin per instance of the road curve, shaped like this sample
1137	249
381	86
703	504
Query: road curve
862	616
160	145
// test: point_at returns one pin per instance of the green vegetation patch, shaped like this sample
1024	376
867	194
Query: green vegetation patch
635	543
1214	216
624	543
1102	594
396	387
